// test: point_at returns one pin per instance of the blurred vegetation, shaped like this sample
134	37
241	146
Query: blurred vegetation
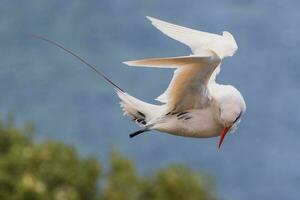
51	170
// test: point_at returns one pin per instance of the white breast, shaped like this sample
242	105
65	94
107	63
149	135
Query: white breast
200	123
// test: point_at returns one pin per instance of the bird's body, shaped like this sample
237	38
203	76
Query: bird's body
193	105
198	122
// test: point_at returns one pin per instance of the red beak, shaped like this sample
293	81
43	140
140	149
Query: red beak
222	136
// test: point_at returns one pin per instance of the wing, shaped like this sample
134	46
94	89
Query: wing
199	41
188	88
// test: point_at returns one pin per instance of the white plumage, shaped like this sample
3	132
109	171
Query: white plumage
194	105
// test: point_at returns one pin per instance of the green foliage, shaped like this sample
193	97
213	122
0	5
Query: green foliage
172	183
48	170
52	170
122	181
178	182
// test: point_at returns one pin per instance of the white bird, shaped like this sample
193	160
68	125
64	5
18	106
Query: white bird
193	105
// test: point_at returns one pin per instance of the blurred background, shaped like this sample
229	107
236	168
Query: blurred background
67	102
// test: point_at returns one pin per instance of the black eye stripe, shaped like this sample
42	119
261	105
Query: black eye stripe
238	117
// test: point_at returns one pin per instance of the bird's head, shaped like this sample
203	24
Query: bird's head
230	113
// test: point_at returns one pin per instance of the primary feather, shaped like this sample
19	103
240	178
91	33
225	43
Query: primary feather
199	41
188	88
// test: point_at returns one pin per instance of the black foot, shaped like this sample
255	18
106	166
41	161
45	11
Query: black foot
137	133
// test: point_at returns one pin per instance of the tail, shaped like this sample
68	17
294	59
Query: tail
103	76
139	111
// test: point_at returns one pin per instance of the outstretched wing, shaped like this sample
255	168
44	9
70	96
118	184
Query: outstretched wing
199	41
188	88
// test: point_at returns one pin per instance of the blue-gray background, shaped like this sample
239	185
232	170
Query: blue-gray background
68	102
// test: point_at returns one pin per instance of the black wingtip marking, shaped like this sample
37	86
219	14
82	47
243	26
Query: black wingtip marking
181	117
168	113
181	113
142	114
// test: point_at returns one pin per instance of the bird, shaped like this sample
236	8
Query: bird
194	104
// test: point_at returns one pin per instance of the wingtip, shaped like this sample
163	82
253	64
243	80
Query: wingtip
150	18
128	63
153	20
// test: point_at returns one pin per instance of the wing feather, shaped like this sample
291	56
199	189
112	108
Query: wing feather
188	88
224	45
